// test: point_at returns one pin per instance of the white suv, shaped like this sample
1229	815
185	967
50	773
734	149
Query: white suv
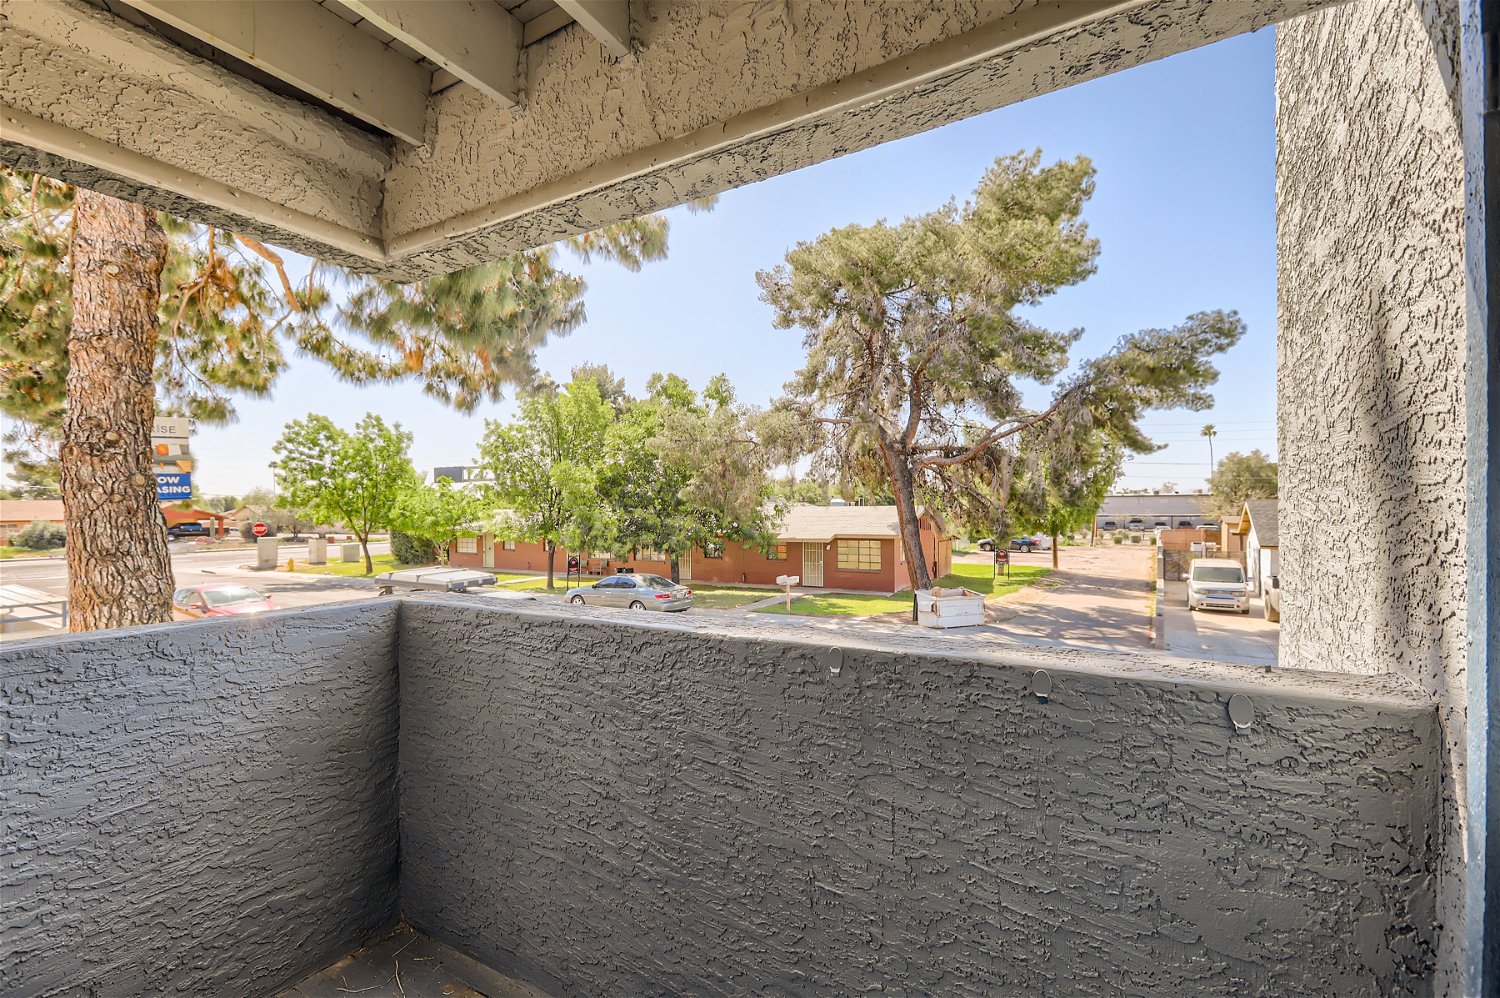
1217	584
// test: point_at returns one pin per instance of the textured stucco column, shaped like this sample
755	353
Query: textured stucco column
1371	368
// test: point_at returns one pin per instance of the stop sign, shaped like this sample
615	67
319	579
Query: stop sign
259	529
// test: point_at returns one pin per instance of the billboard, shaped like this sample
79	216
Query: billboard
172	486
171	458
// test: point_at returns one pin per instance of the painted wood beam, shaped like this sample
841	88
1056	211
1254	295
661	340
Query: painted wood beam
316	51
606	20
477	41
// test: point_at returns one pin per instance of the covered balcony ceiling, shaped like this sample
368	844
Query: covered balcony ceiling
411	138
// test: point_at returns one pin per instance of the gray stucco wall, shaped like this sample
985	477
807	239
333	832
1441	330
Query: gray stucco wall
204	809
1371	367
609	808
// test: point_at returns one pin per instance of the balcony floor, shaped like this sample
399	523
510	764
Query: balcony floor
408	964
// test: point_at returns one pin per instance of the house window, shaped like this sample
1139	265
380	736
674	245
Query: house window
713	549
468	545
777	553
510	545
859	556
649	555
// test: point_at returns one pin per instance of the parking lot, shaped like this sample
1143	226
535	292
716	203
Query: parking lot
192	567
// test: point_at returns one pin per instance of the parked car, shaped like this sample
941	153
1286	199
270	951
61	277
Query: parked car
638	592
1217	584
221	599
1271	599
1030	544
1110	525
986	544
1161	525
180	530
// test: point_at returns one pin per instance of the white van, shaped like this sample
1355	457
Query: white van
1217	584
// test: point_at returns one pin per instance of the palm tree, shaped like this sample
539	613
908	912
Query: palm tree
1209	432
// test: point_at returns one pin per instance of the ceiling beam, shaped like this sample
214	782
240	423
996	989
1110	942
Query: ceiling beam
606	20
477	41
316	51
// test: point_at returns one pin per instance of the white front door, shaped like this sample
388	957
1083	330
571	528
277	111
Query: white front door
487	544
685	565
812	565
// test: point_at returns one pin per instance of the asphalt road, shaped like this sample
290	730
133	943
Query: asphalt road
192	567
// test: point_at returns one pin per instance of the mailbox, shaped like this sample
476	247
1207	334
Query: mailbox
788	580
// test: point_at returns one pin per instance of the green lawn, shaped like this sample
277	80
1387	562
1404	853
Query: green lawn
355	569
726	597
10	552
979	578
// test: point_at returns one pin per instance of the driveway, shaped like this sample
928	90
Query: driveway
1097	597
1216	635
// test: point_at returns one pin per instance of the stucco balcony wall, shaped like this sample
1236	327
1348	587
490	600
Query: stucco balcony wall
197	809
598	803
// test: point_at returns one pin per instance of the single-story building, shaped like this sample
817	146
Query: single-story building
15	514
1257	525
829	547
1152	511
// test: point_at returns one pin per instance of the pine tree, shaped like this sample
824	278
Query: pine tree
915	347
111	314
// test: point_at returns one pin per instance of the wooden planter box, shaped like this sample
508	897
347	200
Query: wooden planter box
953	608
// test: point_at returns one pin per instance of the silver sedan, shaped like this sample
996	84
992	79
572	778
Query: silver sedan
636	592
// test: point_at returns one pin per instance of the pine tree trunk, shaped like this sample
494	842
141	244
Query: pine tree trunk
119	570
903	490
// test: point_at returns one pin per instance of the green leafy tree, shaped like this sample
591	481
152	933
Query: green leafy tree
353	478
915	348
544	470
669	477
180	319
1061	493
1239	477
30	457
792	490
436	513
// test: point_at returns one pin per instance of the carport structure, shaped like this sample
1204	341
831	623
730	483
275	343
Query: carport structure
409	139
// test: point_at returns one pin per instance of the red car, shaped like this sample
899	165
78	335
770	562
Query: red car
221	599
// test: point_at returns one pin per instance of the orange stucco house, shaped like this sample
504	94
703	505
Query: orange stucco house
829	547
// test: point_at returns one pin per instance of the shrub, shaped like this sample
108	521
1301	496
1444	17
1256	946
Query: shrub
409	550
1119	539
40	535
248	533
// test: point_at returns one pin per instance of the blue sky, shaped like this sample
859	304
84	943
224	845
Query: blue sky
1184	211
